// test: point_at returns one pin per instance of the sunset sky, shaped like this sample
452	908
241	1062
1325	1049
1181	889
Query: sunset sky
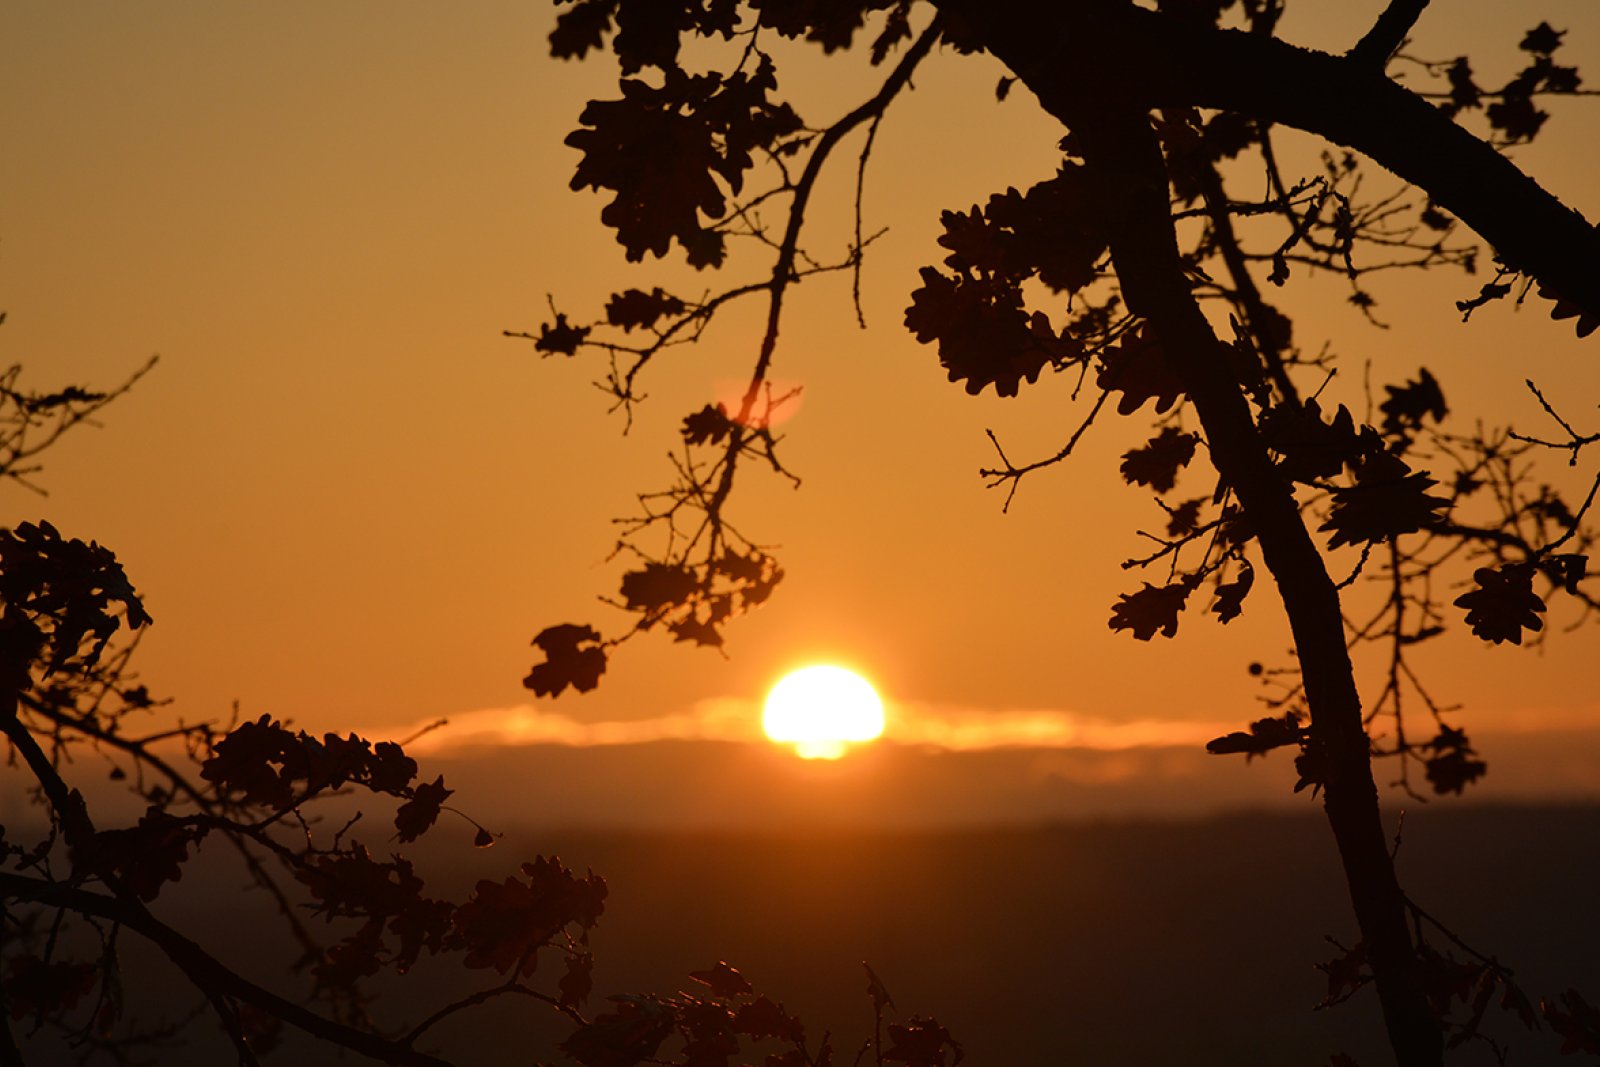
349	501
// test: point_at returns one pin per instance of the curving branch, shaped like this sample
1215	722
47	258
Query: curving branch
206	972
783	269
1114	134
1111	49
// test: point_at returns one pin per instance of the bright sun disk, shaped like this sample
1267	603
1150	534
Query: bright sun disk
821	711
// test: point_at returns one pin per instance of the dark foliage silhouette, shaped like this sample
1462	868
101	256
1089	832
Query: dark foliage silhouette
276	799
1156	105
1117	271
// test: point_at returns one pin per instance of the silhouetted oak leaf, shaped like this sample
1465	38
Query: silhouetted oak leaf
335	760
702	633
40	989
579	900
560	337
896	28
707	1029
350	961
658	586
504	924
419	923
62	595
1464	90
1543	39
1452	767
573	656
1230	595
1546	76
577	982
1184	519
984	335
1312	767
1151	609
1388	499
762	1018
829	23
661	151
248	761
1057	229
649	32
757	592
1264	736
417	815
723	980
581	28
1228	133
1051	232
1588	321
742	568
1573	1018
1407	405
1515	116
146	856
974	245
1565	569
709	425
636	309
351	884
1139	369
1156	462
1503	604
1346	973
922	1043
621	1038
1310	449
390	770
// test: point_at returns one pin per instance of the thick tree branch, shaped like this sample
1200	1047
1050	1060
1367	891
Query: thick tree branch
1120	143
1110	49
206	972
1387	34
1102	102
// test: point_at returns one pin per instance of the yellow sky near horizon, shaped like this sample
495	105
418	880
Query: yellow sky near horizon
350	502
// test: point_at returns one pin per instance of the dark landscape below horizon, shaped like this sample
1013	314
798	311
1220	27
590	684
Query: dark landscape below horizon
1122	942
673	785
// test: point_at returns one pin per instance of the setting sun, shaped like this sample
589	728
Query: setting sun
821	711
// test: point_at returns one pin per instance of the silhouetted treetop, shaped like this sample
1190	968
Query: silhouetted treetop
1135	270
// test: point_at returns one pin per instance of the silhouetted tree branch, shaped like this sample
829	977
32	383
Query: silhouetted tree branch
1388	33
1155	103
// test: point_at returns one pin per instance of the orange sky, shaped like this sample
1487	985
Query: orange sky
350	502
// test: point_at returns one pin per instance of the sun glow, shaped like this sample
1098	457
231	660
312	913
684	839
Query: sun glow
822	711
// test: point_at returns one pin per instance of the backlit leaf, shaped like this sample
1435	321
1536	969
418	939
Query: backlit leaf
1156	462
1504	604
1151	610
1263	736
573	656
1139	369
1230	595
1388	499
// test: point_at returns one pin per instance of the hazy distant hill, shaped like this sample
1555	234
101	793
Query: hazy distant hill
1124	943
677	784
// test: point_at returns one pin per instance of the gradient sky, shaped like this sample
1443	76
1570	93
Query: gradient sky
348	501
